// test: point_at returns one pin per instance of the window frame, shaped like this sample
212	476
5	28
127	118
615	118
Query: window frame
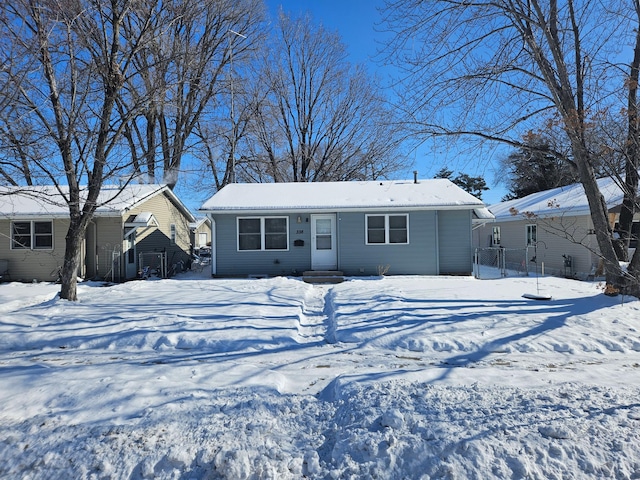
531	234
173	233
496	236
387	228
33	235
263	233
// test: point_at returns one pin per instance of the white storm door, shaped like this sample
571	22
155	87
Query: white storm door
324	254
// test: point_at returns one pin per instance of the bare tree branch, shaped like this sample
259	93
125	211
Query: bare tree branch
494	69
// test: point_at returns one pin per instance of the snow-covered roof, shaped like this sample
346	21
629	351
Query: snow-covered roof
143	219
198	223
48	201
342	196
567	201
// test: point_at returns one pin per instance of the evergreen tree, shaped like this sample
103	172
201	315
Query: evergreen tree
474	185
534	169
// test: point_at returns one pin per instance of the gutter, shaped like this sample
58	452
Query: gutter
337	209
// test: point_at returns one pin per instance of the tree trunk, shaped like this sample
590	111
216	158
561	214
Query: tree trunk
634	275
569	100
628	209
604	234
71	265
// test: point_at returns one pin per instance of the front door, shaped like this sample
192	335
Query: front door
324	254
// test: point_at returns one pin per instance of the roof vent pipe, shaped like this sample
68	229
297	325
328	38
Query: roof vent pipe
415	176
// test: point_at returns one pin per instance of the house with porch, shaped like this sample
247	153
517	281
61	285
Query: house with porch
134	227
419	227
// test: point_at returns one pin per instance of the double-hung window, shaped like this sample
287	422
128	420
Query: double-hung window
263	233
387	229
532	235
495	237
32	235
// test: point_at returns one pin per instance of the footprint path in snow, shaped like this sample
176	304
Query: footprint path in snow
315	318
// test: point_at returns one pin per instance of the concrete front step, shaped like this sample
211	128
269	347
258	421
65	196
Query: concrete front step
323	276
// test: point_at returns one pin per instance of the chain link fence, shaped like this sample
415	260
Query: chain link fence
497	262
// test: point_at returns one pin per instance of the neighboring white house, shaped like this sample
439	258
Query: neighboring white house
359	228
557	224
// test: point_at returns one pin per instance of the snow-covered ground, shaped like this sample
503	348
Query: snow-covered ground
387	378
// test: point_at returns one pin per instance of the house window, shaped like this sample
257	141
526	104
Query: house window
387	229
263	233
32	235
172	229
495	237
275	233
532	235
635	233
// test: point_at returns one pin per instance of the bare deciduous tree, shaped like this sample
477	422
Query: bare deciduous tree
64	73
493	68
319	118
180	72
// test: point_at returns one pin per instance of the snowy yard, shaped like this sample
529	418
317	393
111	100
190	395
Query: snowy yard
399	377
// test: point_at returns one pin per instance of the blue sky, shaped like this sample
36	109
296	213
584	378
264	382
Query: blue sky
355	21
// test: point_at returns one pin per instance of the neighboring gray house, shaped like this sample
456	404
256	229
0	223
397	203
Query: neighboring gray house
557	224
135	223
359	228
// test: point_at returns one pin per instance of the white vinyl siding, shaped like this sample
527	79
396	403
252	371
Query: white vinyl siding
551	246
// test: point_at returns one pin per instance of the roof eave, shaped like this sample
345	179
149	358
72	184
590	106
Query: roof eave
31	216
338	209
542	216
174	198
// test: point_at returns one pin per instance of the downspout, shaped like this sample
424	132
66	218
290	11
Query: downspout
122	264
214	246
437	244
83	255
471	242
95	248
